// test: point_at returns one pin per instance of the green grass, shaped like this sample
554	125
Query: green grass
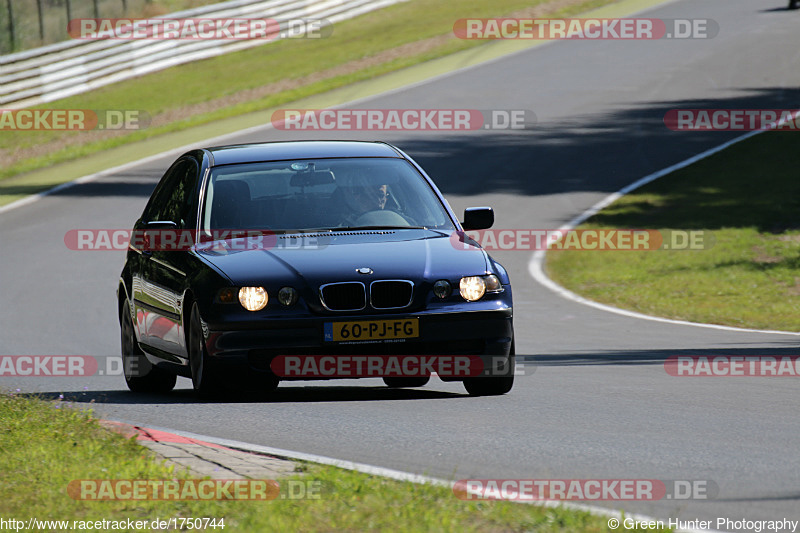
45	445
748	196
169	93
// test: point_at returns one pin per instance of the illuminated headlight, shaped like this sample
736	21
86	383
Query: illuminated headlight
253	298
287	296
472	288
442	289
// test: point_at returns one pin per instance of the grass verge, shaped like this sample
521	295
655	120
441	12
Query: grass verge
748	197
265	77
47	444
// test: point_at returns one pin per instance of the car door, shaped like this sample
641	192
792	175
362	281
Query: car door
171	220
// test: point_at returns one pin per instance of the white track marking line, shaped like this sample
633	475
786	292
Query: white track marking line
536	264
399	475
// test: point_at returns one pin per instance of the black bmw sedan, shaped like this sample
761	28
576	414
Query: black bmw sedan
252	264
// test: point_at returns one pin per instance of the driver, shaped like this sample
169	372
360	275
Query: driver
362	196
369	198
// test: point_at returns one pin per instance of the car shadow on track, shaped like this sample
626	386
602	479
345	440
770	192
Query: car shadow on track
286	393
656	357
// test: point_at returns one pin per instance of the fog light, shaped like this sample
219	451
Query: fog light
472	288
442	289
287	296
253	298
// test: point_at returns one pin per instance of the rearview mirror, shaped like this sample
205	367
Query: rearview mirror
314	177
476	218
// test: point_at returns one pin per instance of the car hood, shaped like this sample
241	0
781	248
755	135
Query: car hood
317	259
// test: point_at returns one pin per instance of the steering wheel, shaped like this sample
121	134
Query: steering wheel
381	217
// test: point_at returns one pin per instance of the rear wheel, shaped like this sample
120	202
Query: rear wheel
406	382
794	4
140	374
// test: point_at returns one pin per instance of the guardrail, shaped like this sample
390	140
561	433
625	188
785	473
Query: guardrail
68	68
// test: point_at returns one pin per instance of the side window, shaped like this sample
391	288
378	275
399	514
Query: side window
175	199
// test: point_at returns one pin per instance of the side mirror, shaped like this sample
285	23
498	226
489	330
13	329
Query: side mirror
476	218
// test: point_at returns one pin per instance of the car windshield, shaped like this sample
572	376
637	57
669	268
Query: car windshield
321	195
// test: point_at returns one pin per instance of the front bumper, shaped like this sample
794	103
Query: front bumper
485	332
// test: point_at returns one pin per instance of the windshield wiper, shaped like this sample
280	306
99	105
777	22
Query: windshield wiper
363	228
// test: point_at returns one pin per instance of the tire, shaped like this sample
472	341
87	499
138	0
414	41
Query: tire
794	4
140	374
205	381
397	383
495	385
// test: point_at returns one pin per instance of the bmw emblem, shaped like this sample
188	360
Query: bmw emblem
364	270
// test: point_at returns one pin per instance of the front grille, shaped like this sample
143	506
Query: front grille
350	296
390	294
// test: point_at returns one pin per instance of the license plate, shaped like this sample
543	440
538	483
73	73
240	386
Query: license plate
370	330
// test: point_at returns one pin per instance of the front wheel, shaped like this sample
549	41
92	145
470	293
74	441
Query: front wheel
495	385
794	4
140	374
204	380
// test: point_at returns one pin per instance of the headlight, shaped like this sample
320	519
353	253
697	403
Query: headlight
253	298
472	288
287	296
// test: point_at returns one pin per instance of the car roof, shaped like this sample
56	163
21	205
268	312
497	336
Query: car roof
287	150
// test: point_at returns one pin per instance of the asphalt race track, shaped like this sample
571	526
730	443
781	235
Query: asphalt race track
600	403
